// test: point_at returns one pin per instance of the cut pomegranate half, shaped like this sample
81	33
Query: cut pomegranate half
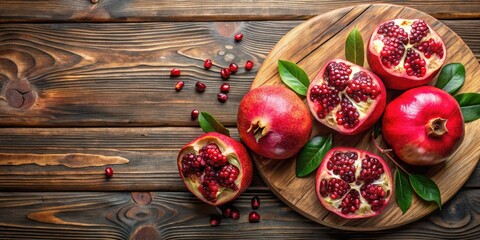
346	97
353	183
405	53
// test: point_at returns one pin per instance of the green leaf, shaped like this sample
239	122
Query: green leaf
354	51
293	76
425	188
403	190
312	155
209	124
470	106
451	77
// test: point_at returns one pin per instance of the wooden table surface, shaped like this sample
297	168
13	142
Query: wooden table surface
86	85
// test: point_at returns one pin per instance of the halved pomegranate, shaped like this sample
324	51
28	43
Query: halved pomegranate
346	97
215	168
353	183
405	53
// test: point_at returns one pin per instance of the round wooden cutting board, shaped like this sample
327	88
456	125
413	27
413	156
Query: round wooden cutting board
311	45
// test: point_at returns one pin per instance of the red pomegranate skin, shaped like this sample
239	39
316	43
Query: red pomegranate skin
230	146
278	118
406	120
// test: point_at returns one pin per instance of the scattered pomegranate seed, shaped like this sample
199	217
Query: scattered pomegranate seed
179	86
215	221
207	63
175	72
254	217
222	97
238	37
233	67
225	88
235	214
227	212
255	202
200	86
225	73
248	65
194	114
108	172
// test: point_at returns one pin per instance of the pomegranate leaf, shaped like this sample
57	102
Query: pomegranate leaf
451	77
209	124
403	190
354	51
470	106
293	76
425	188
312	154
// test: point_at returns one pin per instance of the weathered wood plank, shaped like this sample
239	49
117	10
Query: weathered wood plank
210	10
143	159
151	154
178	215
118	74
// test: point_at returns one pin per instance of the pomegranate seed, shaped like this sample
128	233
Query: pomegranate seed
235	214
175	72
227	212
225	88
194	114
248	65
225	73
222	97
179	86
207	63
215	221
200	86
255	202
233	67
254	217
108	172
238	37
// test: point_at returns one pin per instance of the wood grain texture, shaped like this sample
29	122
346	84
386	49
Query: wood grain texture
319	44
151	154
179	215
209	10
118	74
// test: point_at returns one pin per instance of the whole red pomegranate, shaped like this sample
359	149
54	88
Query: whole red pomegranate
423	126
215	168
353	183
346	97
274	122
405	53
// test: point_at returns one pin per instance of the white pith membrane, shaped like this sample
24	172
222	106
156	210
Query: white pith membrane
364	208
193	182
363	107
432	63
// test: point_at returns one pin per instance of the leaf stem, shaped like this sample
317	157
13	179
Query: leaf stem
385	151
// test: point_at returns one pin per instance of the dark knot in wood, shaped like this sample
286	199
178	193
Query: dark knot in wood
19	94
142	198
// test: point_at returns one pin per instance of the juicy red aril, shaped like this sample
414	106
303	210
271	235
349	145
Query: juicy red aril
200	86
108	172
248	65
342	163
337	75
233	67
392	51
212	155
374	195
372	169
351	202
419	30
335	188
227	176
235	214
194	114
207	64
348	114
361	87
253	217
215	221
175	72
225	88
255	202
222	97
414	64
227	212
238	37
179	86
430	48
225	73
326	97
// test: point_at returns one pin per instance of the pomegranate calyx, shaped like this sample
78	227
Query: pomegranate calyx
258	129
436	127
